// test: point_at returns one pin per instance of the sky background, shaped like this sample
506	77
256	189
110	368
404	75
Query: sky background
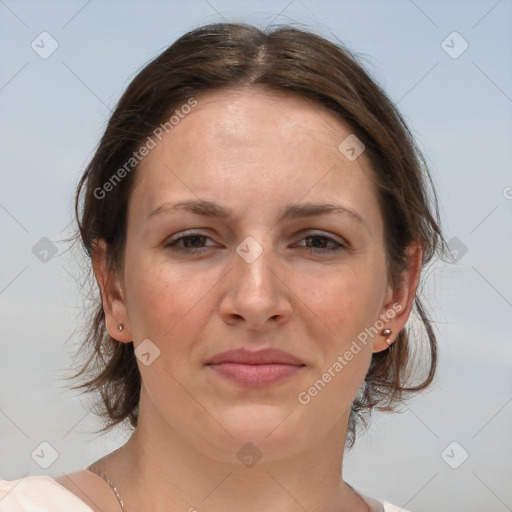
458	103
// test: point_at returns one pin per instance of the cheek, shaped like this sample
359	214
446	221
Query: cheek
165	302
157	298
347	305
346	300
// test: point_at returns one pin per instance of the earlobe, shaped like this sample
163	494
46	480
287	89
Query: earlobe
400	300
112	296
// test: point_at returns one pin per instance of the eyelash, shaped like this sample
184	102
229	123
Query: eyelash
173	244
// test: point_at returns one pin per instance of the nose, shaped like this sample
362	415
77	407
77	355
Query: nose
255	291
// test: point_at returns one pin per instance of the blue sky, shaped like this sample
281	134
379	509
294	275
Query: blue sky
54	110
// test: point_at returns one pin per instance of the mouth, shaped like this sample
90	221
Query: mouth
256	369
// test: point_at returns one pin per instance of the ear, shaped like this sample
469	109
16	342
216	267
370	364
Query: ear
112	295
399	301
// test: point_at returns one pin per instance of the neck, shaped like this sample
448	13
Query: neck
159	470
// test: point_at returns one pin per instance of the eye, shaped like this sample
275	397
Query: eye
319	243
190	243
194	243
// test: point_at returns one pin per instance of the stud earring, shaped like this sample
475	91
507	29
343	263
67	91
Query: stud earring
120	327
387	334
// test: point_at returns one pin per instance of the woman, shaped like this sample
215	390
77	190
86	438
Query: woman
257	217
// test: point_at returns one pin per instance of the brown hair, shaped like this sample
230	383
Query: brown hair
292	61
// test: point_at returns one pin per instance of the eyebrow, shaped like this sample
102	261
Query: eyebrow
211	209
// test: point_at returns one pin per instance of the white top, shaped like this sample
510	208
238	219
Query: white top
44	494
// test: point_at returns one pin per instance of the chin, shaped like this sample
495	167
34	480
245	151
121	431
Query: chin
269	427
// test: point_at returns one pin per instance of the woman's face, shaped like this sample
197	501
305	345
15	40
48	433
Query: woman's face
271	272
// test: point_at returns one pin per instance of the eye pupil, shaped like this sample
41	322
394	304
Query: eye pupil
317	238
191	241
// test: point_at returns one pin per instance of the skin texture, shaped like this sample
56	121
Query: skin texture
254	152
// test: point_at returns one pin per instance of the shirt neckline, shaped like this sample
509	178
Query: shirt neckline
375	506
69	492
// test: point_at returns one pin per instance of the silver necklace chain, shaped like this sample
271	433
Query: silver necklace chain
121	504
113	487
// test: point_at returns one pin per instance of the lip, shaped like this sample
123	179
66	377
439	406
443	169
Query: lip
256	368
263	356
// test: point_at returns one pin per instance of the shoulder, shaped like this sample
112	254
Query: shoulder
38	494
381	506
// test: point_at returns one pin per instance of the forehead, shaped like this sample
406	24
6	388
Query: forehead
246	148
255	119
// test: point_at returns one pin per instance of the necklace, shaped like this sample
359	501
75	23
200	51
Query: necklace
121	504
112	486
